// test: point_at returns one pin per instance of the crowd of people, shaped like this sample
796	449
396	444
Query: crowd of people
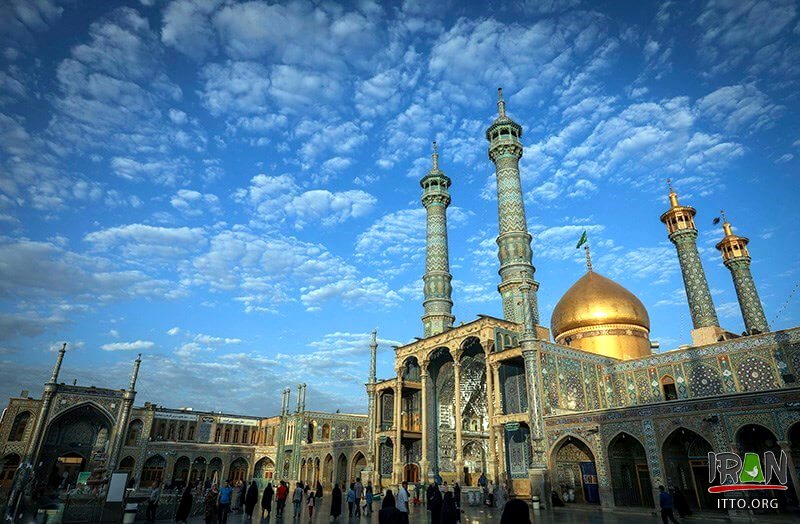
441	502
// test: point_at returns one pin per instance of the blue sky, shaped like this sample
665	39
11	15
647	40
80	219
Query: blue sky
232	188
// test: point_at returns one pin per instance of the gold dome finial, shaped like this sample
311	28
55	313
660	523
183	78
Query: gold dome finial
588	257
673	196
726	226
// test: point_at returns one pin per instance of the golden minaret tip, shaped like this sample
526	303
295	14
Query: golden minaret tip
673	196
726	226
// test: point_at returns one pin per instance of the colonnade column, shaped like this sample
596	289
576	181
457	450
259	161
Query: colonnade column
459	456
423	463
398	424
498	411
492	465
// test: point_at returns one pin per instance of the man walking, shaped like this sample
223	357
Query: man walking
402	502
359	491
225	496
665	501
152	502
280	498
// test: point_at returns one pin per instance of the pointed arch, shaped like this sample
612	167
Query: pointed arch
358	463
630	475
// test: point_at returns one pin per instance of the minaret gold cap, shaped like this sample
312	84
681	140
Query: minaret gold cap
731	246
673	196
678	217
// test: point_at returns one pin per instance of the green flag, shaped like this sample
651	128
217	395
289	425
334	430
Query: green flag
583	240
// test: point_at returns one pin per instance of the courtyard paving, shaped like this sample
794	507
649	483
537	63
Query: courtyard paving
568	515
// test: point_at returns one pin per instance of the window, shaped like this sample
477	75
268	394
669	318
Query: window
359	432
8	469
310	437
668	386
162	428
216	435
180	432
127	464
236	435
227	435
191	433
134	430
326	432
171	433
244	436
19	426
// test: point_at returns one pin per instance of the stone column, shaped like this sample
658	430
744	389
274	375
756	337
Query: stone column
423	463
459	455
492	458
398	424
498	406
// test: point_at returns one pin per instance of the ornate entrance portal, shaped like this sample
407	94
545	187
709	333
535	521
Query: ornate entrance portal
76	441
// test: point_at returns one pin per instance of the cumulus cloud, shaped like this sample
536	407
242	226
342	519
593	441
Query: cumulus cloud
141	240
278	199
739	108
137	345
747	32
194	203
43	271
396	240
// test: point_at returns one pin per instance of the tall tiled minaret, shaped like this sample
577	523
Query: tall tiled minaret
438	315
736	258
513	241
683	233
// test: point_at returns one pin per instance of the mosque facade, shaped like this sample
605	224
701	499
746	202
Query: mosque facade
583	407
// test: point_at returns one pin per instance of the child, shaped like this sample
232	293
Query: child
310	504
351	500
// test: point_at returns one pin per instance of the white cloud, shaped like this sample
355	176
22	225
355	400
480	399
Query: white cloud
329	208
240	88
268	271
209	340
142	241
739	108
736	33
396	241
137	345
15	325
173	331
194	203
188	29
42	272
277	199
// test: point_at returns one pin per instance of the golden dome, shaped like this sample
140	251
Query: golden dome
598	315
